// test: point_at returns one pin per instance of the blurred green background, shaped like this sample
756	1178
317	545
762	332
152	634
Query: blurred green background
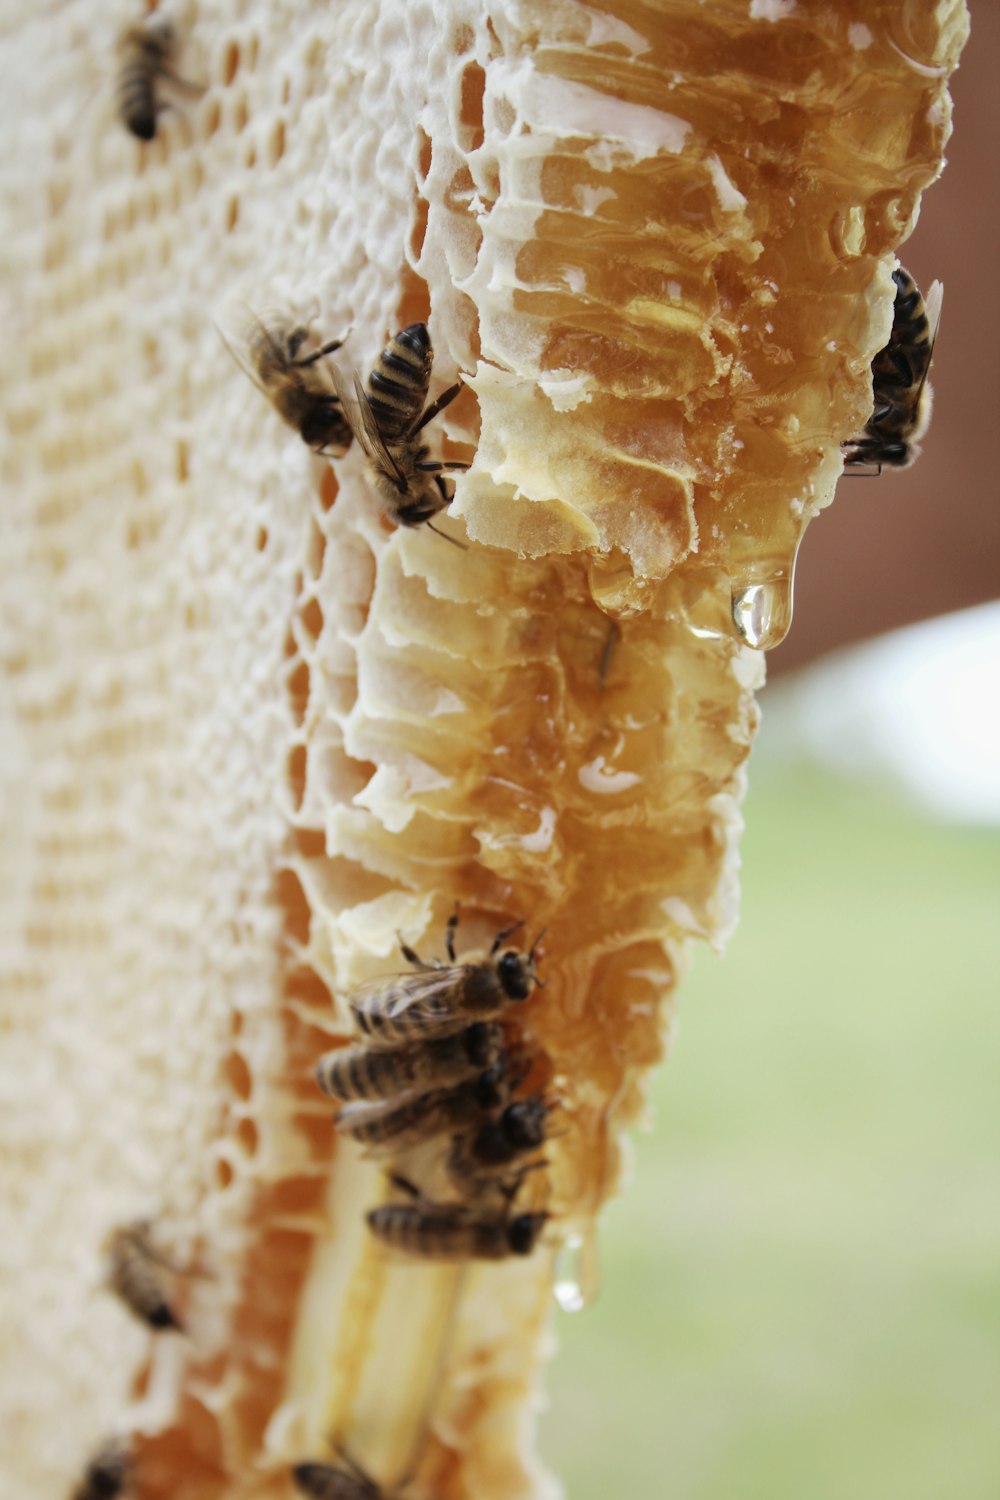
801	1285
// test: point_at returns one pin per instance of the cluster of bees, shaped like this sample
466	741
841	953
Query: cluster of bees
434	1082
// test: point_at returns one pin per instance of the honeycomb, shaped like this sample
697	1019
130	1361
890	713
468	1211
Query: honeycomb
250	732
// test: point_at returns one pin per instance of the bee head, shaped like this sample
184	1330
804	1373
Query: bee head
315	429
517	973
108	1472
523	1123
309	1477
523	1232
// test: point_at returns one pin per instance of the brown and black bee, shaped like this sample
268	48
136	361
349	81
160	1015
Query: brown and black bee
106	1476
438	999
387	419
135	1274
488	1153
902	396
387	1128
388	1073
447	1231
145	57
296	384
327	1482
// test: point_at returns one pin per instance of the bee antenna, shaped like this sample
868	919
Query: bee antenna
507	932
510	1189
404	1184
534	947
453	540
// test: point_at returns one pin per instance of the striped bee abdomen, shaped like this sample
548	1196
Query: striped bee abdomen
397	386
137	100
144	53
361	1073
904	360
134	1275
437	1234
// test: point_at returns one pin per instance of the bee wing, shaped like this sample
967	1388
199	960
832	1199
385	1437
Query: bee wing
922	402
426	993
417	1120
345	395
932	307
361	418
239	328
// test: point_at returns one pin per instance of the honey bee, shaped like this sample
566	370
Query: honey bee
145	54
363	1073
105	1476
902	397
386	420
326	1482
134	1274
438	999
499	1144
450	1231
387	1129
295	384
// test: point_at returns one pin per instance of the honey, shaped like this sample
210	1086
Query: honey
255	734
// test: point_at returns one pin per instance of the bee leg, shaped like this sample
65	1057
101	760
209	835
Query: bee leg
443	534
328	348
510	1188
405	1185
502	937
445	399
451	928
444	496
856	453
414	958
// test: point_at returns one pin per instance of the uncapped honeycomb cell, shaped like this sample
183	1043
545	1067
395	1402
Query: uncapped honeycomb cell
251	733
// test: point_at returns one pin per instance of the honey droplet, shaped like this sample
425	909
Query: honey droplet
762	612
577	1278
762	602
